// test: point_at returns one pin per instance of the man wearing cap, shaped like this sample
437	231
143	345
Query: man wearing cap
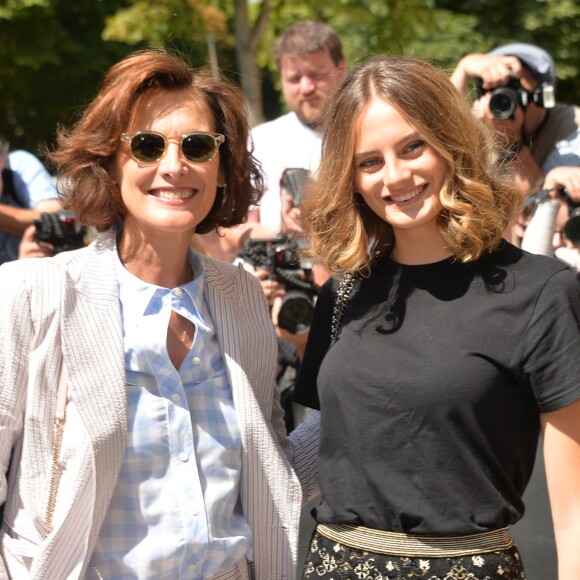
539	134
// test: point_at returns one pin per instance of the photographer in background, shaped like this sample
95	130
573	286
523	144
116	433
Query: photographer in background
290	290
26	190
538	133
553	218
311	66
542	149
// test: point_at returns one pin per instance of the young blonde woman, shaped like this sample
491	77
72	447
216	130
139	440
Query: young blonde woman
453	348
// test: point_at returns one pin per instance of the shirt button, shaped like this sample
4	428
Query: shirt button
183	456
175	398
196	360
194	512
178	292
192	567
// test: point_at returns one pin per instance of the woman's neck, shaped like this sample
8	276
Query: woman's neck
418	246
159	264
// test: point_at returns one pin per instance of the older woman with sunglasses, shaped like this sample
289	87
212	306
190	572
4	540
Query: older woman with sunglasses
140	435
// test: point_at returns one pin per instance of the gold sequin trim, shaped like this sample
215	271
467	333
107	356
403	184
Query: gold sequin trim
411	545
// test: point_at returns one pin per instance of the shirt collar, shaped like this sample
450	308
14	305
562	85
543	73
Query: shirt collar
139	294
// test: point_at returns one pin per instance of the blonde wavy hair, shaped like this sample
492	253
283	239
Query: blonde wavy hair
478	199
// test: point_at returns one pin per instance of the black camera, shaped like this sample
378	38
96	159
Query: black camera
504	100
279	255
61	230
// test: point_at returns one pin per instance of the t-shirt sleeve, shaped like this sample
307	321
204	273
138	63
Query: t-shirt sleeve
551	348
305	392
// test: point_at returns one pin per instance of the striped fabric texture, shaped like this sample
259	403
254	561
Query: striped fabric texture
69	305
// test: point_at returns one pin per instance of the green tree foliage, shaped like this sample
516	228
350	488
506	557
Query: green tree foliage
53	52
166	23
413	27
552	24
51	61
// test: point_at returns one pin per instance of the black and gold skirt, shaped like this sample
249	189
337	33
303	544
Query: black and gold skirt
341	552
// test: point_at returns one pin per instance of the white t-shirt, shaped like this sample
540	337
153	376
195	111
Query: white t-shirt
278	145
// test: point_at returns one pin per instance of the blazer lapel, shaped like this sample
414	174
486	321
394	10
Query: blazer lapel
270	492
93	349
240	318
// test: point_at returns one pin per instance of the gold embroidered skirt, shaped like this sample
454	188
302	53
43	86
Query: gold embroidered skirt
339	551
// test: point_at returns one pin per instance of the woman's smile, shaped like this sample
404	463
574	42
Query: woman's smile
407	198
173	193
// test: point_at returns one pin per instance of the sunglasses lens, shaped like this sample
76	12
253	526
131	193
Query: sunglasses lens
147	147
198	147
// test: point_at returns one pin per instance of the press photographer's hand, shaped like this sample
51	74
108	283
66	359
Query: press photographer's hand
564	177
293	184
272	288
290	216
494	71
491	72
30	247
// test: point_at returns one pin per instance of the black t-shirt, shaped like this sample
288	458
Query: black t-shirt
430	397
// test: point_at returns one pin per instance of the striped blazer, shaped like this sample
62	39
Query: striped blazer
69	306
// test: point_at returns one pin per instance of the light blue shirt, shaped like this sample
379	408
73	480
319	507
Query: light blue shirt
566	152
32	184
175	512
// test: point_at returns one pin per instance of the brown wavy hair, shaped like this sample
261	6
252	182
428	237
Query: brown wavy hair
84	155
478	199
308	36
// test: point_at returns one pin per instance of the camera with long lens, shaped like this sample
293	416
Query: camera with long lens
61	230
572	226
279	256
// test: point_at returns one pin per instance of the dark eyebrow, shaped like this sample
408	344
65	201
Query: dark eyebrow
409	137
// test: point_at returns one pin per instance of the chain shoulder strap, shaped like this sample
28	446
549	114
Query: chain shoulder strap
59	420
342	298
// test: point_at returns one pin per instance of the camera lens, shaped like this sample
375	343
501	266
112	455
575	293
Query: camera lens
296	312
503	102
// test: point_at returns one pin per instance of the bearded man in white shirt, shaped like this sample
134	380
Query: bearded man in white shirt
311	65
